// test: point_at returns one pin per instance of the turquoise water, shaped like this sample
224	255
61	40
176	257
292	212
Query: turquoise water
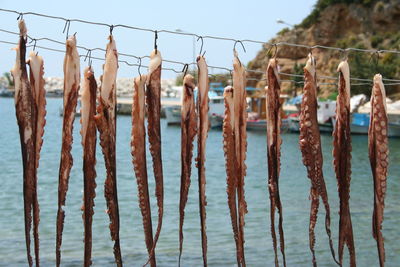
294	188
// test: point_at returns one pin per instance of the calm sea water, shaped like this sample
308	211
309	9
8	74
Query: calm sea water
294	187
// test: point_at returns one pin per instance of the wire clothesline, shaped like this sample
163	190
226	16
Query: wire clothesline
366	81
113	26
89	50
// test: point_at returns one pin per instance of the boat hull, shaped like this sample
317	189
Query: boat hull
173	115
256	125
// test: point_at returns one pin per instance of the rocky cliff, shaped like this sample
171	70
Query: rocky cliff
340	23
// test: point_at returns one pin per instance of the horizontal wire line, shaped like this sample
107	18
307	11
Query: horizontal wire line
113	26
179	72
32	39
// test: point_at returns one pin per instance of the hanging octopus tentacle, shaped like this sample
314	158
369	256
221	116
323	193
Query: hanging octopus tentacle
89	135
274	141
30	106
240	116
203	126
71	88
231	168
106	124
188	132
378	155
310	146
138	150
153	100
229	150
37	85
342	162
23	107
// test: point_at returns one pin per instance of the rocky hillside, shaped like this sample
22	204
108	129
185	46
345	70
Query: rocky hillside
340	23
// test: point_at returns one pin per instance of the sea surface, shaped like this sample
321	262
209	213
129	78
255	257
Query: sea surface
294	189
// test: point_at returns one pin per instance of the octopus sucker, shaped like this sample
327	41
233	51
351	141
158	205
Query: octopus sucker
153	101
342	162
310	146
231	168
30	107
71	88
378	156
105	120
274	141
203	127
138	151
89	135
188	133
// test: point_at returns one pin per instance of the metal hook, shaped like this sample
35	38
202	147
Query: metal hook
66	27
376	61
276	50
34	44
20	16
344	54
111	29
185	69
201	47
139	66
155	40
89	54
238	41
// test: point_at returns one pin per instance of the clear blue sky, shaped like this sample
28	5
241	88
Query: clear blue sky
236	19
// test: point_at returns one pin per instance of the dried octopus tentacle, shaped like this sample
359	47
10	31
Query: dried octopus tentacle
203	126
378	155
342	161
153	99
138	150
71	88
231	170
188	132
310	146
88	132
274	141
37	82
38	92
106	124
240	105
26	113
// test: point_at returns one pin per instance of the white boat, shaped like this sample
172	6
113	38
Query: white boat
262	125
294	125
4	92
359	125
215	112
325	117
173	114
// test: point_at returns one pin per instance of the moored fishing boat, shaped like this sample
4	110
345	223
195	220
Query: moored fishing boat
215	112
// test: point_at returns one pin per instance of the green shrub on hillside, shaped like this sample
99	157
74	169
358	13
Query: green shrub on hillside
283	31
376	40
366	66
322	4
